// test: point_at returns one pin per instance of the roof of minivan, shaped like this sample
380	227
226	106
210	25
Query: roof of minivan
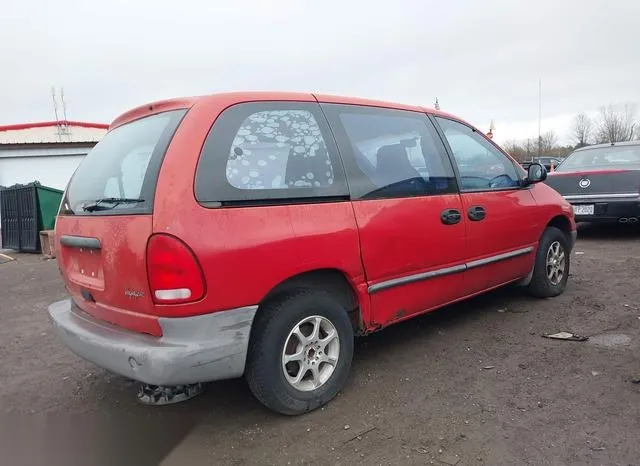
609	144
188	102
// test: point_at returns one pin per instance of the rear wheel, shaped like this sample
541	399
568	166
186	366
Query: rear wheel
300	352
551	270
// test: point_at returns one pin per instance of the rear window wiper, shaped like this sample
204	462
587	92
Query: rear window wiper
109	203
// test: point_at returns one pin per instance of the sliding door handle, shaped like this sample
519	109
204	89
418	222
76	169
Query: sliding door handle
450	216
477	213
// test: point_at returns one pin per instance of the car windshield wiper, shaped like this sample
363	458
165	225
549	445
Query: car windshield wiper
109	203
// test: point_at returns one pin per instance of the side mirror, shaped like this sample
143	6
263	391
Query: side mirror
536	173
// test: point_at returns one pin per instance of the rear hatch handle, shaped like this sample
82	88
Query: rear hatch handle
80	242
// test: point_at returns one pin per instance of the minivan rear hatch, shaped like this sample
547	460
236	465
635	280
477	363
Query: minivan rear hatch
105	222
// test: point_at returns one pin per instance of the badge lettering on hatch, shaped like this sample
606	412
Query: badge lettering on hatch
135	294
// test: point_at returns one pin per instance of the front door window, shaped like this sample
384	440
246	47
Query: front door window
481	165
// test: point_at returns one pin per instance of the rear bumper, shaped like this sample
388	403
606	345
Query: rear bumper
192	349
610	210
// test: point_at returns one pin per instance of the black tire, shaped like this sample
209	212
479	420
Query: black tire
264	370
541	285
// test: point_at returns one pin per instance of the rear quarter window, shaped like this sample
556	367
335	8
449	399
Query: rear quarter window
269	152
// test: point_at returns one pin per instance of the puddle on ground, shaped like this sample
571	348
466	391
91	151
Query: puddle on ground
610	340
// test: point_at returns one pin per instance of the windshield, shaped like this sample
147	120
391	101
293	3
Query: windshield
121	171
602	158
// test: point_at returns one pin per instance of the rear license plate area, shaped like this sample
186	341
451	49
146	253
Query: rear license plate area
84	267
584	209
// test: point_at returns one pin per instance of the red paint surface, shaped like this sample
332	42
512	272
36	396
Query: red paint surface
44	124
108	273
511	223
401	237
246	252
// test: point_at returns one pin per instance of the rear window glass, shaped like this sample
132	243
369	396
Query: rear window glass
269	152
121	171
622	157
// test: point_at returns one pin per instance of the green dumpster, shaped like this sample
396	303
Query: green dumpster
49	200
26	210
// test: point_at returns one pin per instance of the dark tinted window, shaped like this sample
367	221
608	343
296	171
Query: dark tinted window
480	164
390	153
124	164
268	151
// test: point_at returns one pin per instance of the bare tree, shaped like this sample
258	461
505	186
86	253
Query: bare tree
529	148
515	150
617	123
547	142
581	130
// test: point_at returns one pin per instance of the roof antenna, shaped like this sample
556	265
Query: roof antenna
55	104
64	126
437	104
64	106
491	130
55	110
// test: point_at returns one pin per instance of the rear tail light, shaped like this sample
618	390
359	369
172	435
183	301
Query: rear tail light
175	276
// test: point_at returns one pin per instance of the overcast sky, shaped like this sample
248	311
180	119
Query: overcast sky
482	59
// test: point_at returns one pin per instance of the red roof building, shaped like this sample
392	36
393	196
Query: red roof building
48	152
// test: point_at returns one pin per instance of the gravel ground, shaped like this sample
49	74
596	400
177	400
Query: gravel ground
471	384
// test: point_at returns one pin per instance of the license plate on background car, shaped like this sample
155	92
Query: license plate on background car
583	209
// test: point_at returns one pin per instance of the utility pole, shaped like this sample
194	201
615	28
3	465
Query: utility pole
539	116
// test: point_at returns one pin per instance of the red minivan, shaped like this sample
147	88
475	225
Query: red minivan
256	233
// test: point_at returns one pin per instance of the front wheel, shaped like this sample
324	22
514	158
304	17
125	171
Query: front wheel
551	270
300	352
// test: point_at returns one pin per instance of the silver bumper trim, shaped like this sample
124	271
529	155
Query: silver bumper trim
588	197
192	349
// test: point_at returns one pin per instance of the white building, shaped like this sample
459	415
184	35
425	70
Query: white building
47	152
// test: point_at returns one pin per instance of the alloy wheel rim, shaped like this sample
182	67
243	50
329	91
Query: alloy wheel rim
556	261
310	354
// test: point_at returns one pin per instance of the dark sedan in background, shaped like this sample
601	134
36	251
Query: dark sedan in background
546	162
602	182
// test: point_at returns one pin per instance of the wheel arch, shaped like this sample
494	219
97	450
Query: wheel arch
334	281
562	223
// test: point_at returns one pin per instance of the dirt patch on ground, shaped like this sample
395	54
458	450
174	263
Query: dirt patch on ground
471	384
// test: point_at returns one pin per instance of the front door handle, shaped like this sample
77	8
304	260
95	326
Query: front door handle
450	216
477	213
